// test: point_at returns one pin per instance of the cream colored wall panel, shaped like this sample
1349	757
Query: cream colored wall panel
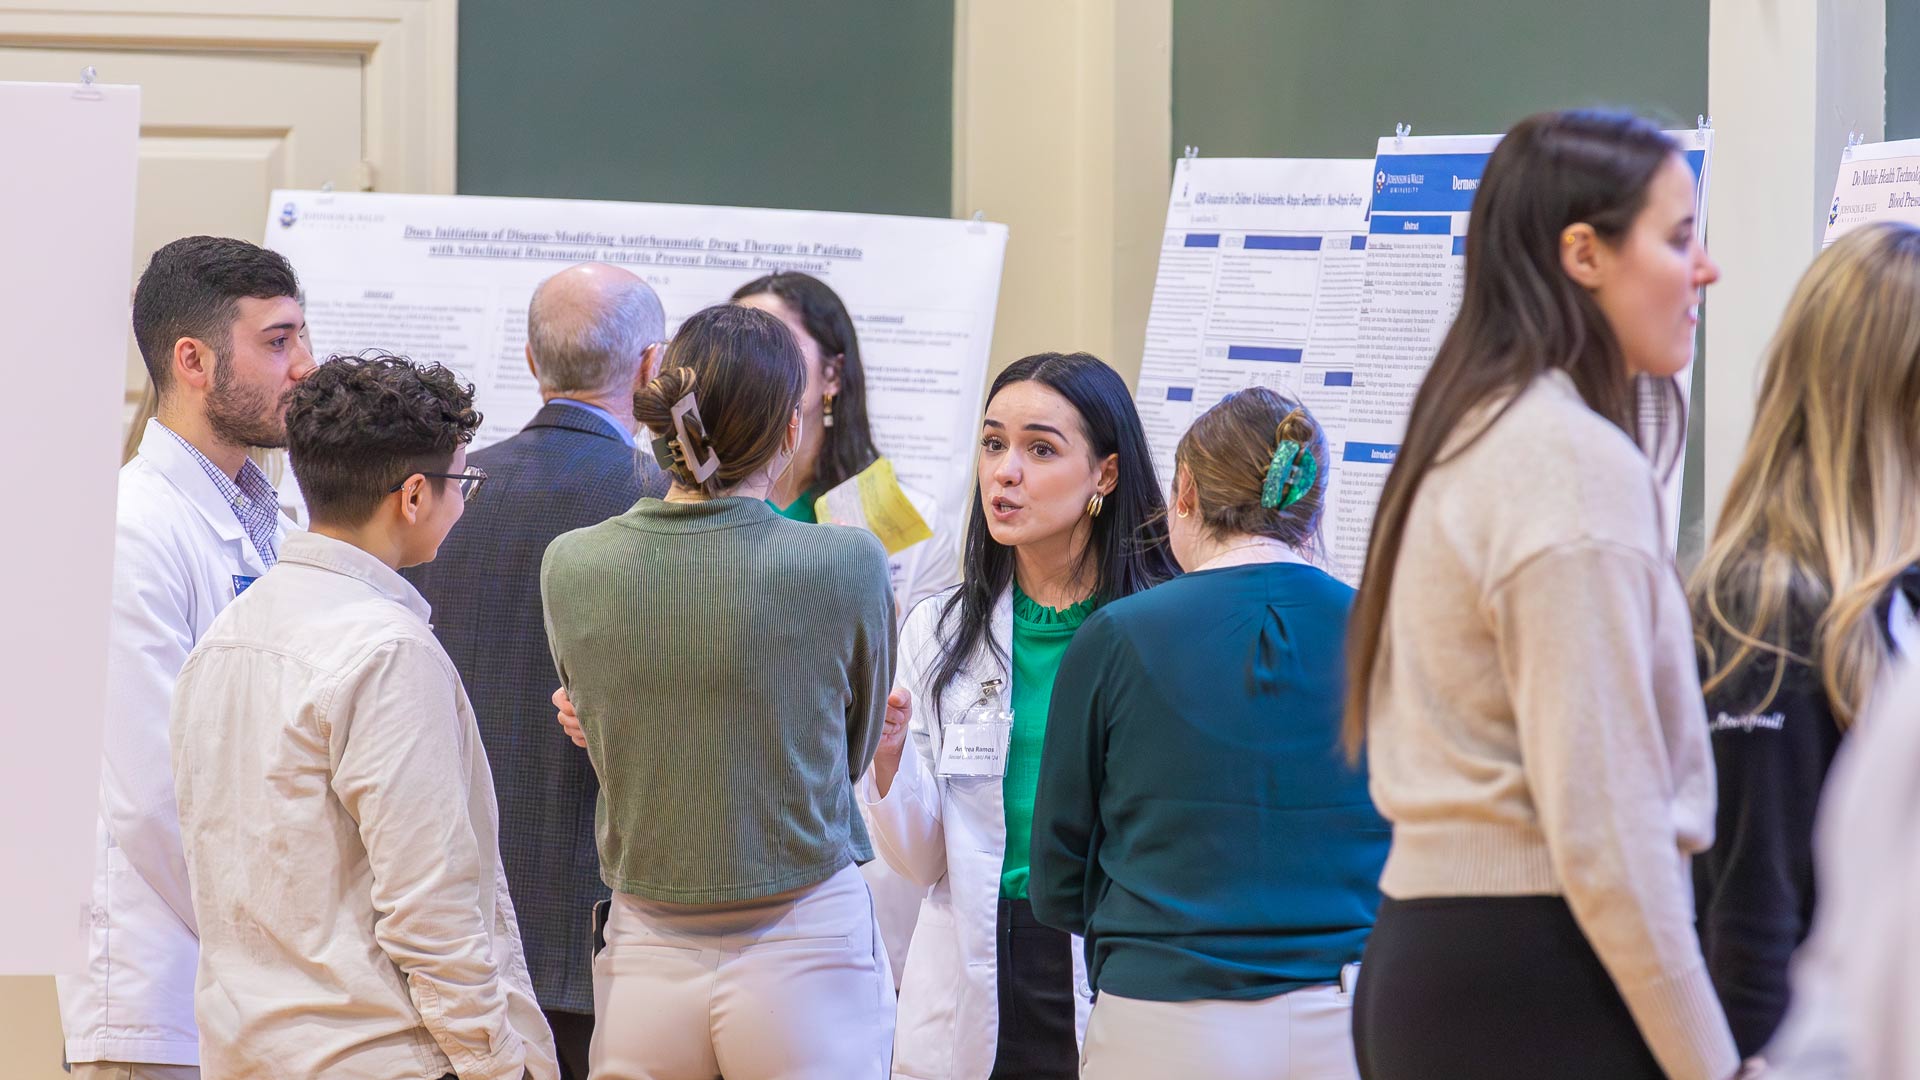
409	49
1062	126
1785	82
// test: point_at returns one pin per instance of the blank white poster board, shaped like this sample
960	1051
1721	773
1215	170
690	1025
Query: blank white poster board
66	242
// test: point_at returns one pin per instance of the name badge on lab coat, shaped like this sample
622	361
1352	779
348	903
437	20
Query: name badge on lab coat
975	749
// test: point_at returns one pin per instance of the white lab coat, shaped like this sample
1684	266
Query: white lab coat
177	549
919	572
930	567
950	834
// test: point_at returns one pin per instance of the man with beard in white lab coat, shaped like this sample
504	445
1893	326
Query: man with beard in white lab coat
220	326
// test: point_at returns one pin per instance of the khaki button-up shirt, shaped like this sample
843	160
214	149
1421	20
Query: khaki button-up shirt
341	838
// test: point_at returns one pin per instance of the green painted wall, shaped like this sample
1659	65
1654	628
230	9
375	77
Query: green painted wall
1327	78
1903	69
847	106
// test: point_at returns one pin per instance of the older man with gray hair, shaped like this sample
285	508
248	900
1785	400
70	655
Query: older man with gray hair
590	328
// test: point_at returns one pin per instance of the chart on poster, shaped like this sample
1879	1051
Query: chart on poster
447	278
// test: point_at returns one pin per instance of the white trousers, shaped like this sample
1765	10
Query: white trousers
1304	1035
796	988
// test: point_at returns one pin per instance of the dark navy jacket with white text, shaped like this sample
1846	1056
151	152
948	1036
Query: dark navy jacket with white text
1755	887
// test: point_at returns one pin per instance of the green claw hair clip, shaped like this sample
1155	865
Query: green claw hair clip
1290	475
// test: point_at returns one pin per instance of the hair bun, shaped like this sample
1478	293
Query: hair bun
1297	426
720	410
653	403
653	406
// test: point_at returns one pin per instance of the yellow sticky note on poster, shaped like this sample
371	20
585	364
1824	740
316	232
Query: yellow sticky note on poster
874	501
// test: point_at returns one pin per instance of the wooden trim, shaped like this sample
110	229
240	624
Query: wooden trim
410	49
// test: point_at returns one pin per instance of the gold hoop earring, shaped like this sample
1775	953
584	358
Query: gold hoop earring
1183	513
1096	504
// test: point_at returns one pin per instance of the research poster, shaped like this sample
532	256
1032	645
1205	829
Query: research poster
1422	190
1259	284
1335	281
448	278
1877	182
1415	272
68	220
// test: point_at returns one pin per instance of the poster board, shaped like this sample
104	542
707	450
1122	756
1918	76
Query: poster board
67	224
448	278
1333	281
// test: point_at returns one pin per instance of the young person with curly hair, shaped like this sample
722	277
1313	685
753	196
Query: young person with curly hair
336	807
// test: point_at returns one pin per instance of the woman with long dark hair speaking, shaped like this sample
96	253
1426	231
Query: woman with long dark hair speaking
1067	516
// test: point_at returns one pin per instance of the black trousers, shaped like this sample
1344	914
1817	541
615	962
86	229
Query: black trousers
1037	1038
1490	988
572	1034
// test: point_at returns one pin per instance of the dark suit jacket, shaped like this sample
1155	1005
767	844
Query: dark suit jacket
565	470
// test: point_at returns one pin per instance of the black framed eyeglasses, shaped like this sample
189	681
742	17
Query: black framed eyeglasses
470	480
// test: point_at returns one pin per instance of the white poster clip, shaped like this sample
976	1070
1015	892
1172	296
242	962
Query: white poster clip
1192	152
1400	133
88	91
1854	138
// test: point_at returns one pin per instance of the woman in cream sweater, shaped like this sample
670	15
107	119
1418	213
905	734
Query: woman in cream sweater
1521	658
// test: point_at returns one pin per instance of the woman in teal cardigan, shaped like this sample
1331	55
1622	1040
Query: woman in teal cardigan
1199	824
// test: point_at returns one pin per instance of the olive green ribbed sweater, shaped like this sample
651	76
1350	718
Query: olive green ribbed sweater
730	668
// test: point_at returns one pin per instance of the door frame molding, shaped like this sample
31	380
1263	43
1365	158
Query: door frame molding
410	51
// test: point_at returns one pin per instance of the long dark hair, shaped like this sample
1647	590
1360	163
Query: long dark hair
847	447
1128	547
1520	316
